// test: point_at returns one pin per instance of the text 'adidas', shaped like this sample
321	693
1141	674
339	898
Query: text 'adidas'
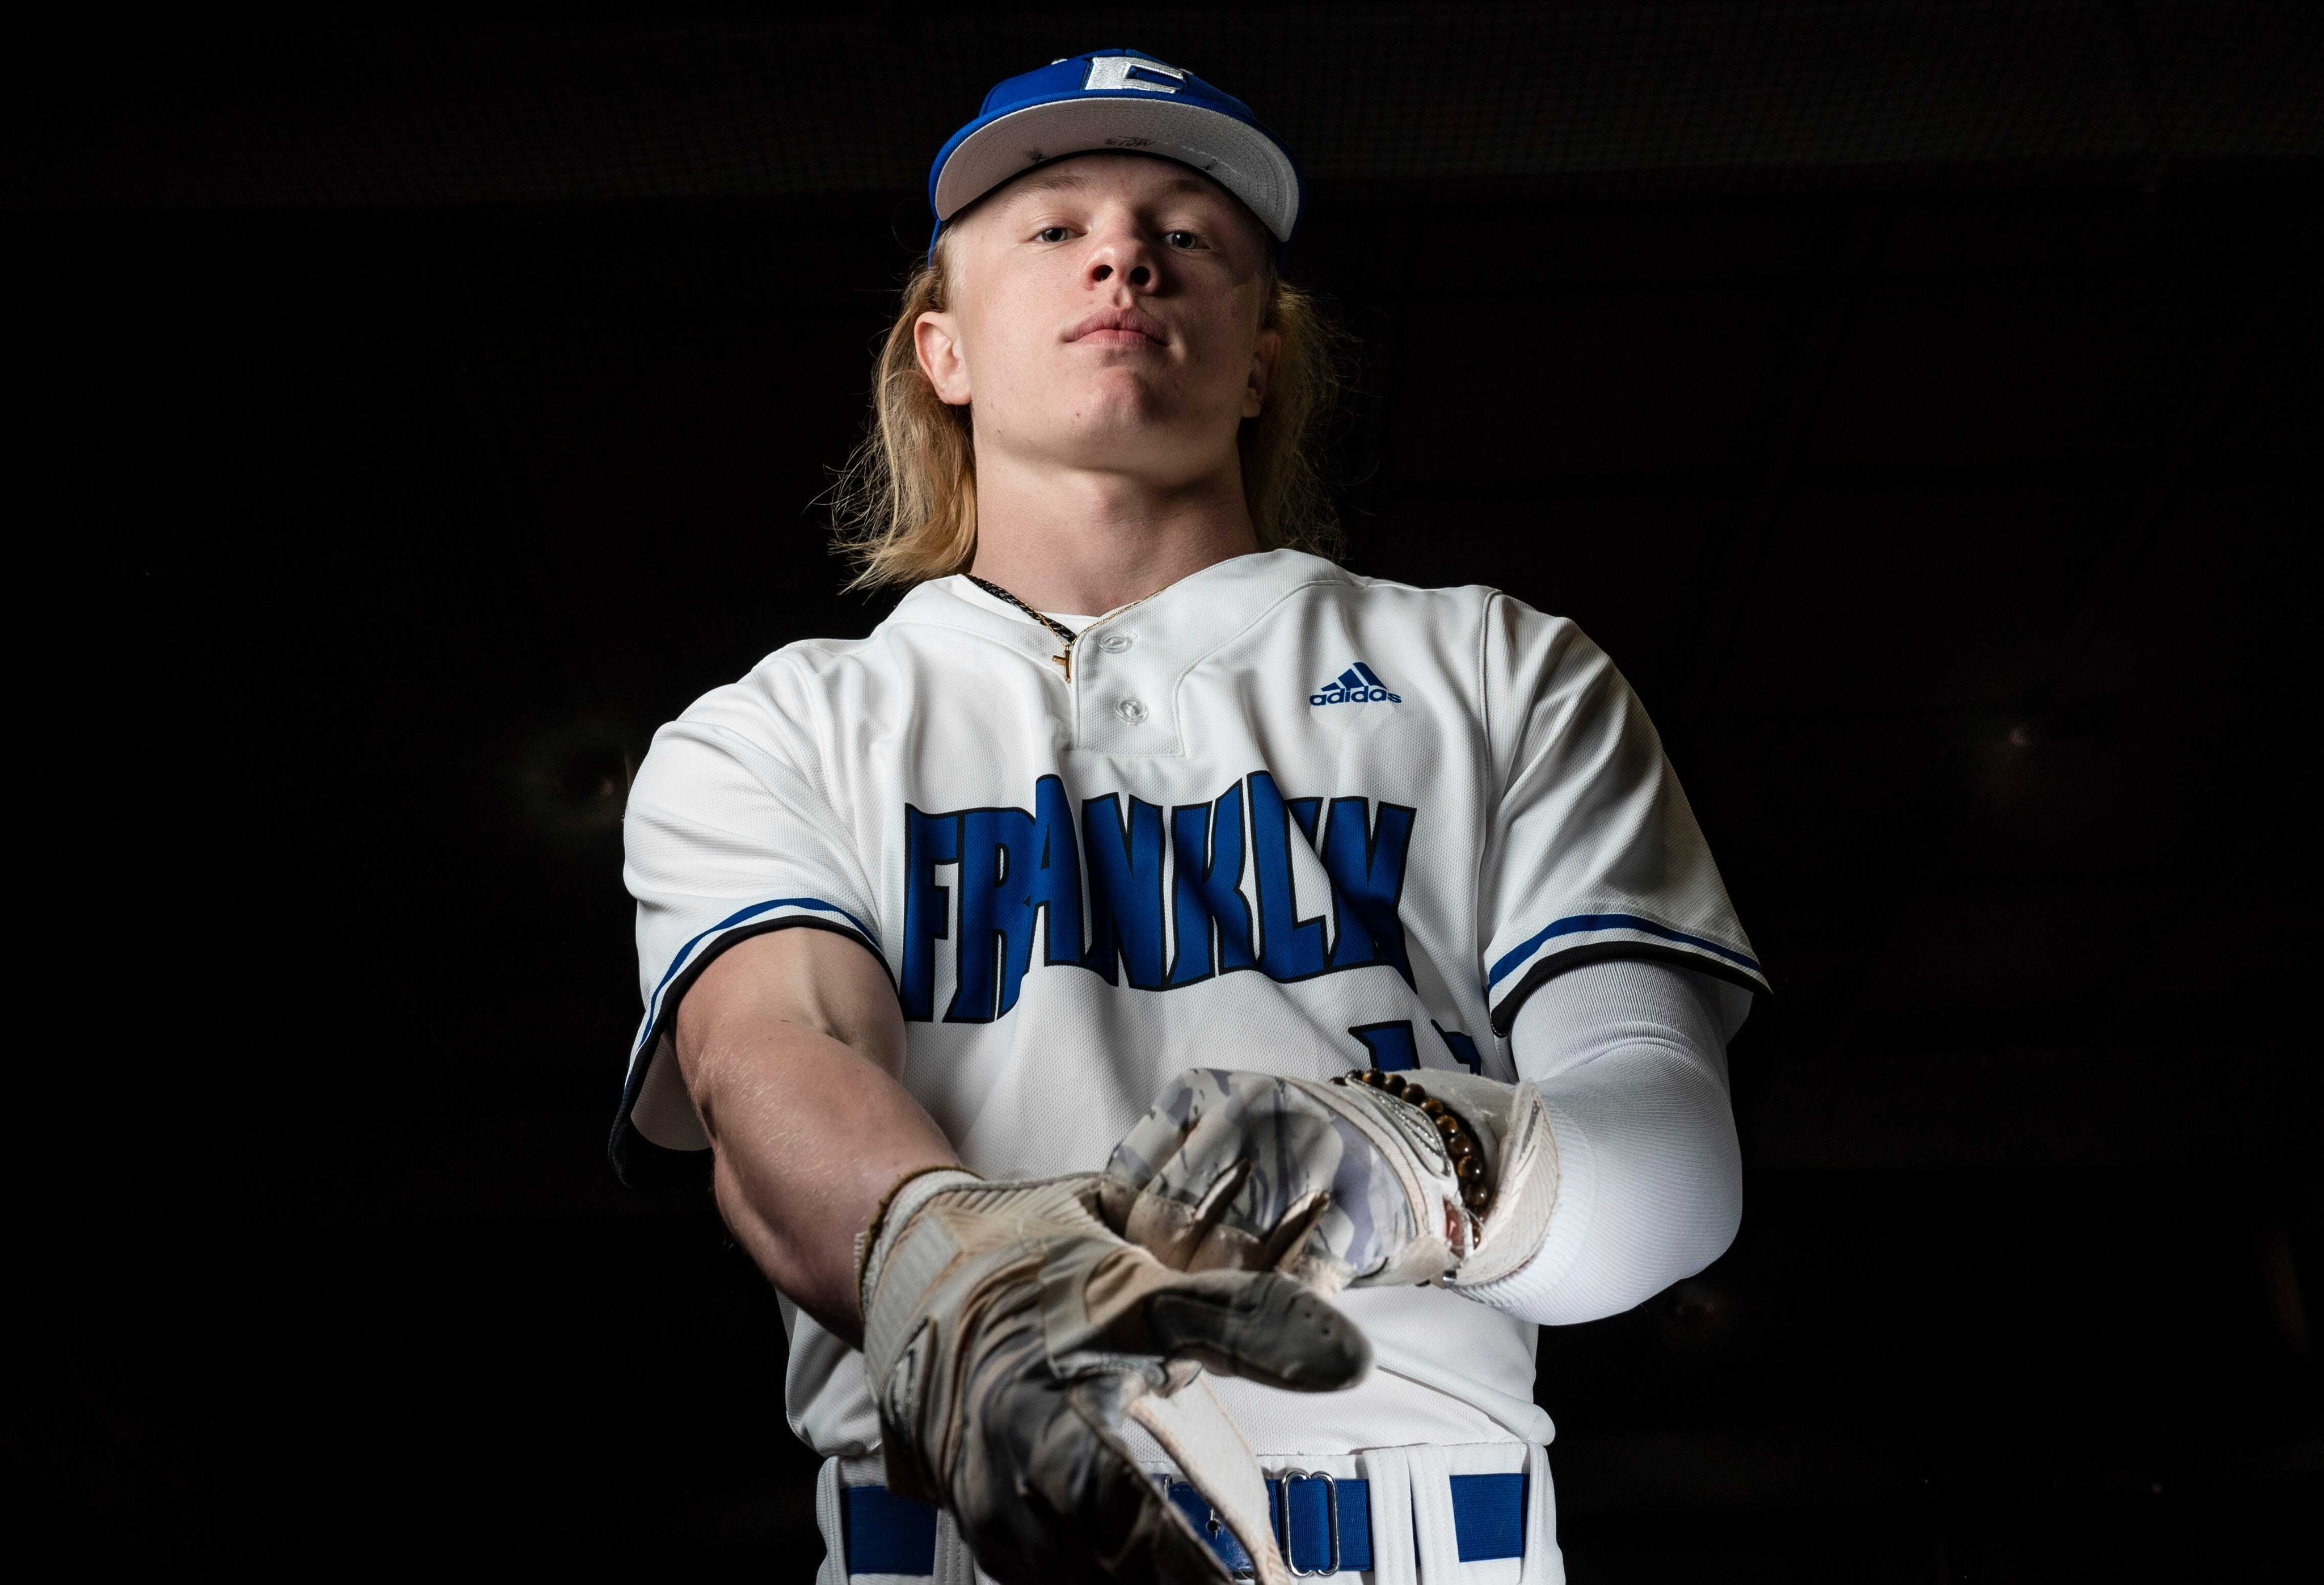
1359	684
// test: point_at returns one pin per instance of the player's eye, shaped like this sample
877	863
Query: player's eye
1050	234
1183	241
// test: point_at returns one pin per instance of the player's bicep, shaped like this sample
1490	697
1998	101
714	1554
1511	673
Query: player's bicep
726	840
759	992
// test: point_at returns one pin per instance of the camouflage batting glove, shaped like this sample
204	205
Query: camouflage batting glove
1009	1333
1369	1179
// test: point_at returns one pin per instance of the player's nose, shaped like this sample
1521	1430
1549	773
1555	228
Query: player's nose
1121	254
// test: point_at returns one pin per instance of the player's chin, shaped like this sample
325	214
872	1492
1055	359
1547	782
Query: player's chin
1127	421
1124	391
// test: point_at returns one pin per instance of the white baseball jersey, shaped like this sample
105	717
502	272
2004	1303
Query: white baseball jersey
1280	817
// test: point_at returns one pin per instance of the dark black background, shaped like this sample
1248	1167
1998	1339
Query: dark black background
1922	402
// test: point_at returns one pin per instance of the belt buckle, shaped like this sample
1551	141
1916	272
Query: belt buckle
1330	1520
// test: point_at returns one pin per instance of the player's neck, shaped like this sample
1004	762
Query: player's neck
1065	539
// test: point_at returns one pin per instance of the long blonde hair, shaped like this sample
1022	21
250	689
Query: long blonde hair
904	509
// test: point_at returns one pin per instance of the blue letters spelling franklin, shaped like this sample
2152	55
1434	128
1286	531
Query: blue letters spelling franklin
1100	882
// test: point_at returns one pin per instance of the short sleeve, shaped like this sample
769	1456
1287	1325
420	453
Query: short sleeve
727	835
1592	850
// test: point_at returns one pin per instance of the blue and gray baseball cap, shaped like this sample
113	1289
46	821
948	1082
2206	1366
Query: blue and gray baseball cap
1122	101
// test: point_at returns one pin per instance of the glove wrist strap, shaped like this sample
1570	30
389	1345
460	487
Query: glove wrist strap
905	1196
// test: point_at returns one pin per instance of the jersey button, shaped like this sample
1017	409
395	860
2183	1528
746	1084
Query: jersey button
1132	711
1114	643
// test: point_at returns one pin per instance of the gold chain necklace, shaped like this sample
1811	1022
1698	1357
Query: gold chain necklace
1065	635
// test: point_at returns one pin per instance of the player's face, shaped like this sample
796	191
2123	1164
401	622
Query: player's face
1106	314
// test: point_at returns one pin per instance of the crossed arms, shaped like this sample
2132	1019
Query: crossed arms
791	1045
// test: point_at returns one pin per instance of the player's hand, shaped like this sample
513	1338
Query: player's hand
1362	1181
1007	1333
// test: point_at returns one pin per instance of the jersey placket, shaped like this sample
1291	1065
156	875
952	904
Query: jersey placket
1120	691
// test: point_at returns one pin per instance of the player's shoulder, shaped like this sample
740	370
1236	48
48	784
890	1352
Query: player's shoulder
1468	601
1297	581
781	706
1495	616
802	680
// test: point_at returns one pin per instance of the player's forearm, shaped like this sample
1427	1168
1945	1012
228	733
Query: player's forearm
1630	1058
807	1136
789	1044
1654	1188
1607	1172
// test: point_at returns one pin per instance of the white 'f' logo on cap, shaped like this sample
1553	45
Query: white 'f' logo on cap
1112	71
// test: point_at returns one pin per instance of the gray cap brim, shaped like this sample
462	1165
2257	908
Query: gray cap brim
1237	156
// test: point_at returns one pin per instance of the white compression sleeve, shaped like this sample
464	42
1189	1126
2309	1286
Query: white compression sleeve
1631	1057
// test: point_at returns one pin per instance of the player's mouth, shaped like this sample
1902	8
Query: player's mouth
1119	327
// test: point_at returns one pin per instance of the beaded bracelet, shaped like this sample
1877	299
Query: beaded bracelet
1459	1138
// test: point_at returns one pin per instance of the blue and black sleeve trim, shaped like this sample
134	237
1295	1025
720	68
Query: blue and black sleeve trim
1617	936
639	1162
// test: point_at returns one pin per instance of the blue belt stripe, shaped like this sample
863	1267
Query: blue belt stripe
1489	1515
891	1534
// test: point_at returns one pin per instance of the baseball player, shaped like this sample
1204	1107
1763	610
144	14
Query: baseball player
1169	1015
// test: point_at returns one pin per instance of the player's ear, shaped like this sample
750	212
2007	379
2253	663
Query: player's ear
936	340
1263	354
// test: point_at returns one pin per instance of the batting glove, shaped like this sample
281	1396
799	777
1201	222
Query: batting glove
1366	1180
1008	1335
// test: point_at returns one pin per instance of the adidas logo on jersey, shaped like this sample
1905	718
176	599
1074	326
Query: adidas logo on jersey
1359	684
